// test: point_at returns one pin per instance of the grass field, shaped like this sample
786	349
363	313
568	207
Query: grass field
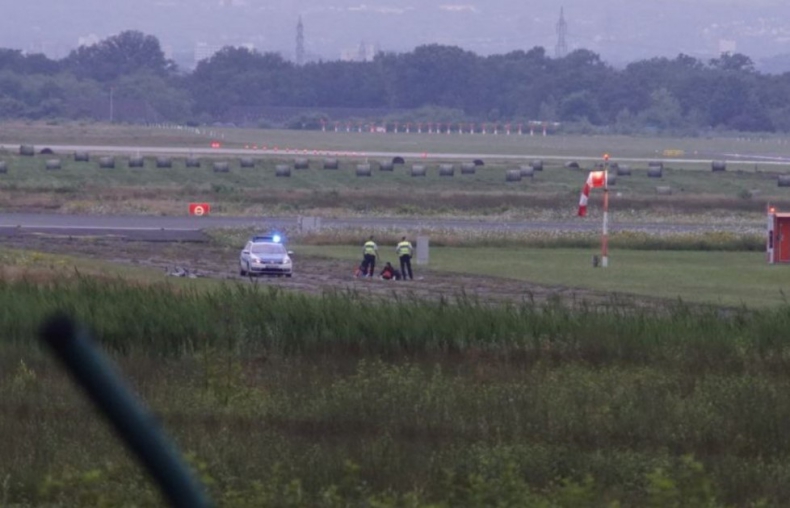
291	400
83	187
559	145
80	187
337	399
725	278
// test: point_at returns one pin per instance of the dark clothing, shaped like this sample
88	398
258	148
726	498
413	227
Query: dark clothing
389	273
369	265
405	264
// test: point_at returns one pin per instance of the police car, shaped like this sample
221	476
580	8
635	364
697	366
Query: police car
265	255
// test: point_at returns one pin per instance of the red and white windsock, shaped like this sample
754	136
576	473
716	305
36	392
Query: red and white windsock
596	180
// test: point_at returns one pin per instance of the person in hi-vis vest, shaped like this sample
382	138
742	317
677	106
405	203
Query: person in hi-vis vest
370	251
405	251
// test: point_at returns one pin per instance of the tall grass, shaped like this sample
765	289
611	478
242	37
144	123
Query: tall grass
344	397
164	320
747	240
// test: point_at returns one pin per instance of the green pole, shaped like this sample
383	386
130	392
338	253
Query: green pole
135	425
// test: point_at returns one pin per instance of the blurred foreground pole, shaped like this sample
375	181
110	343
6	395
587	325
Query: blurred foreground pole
136	426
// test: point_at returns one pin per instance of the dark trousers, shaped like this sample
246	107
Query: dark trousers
405	264
369	264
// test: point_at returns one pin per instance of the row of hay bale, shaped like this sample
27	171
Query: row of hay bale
30	150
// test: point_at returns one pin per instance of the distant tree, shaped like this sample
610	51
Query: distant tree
240	77
580	106
735	62
433	75
664	111
122	54
14	60
172	102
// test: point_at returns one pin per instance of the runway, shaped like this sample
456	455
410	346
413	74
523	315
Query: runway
228	152
158	228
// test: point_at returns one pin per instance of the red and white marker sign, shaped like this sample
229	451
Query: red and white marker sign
199	209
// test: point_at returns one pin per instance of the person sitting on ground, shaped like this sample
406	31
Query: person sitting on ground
389	272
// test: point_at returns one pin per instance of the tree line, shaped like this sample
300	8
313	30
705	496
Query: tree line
433	82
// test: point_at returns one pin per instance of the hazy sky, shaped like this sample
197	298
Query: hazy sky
620	30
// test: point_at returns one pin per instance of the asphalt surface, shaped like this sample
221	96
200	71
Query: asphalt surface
157	228
184	151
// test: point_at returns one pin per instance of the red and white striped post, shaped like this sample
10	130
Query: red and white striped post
605	232
769	247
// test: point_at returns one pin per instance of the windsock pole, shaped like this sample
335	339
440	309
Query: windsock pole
605	232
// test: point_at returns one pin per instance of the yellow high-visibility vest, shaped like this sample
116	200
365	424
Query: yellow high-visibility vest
404	249
370	247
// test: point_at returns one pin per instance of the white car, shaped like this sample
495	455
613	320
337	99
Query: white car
265	255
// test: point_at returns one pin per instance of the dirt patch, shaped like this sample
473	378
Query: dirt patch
312	274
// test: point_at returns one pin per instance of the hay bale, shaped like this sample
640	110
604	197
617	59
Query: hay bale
136	162
468	168
301	164
537	165
221	167
27	150
164	162
718	166
783	181
446	170
614	166
364	170
664	191
3	167
82	157
107	162
331	164
192	162
282	171
527	171
655	172
623	170
47	151
611	179
513	175
479	162
418	170
246	162
386	166
398	160
572	165
53	164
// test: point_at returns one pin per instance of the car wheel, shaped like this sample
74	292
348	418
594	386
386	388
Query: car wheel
242	272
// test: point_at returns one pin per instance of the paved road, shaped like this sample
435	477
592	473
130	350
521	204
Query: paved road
184	151
189	228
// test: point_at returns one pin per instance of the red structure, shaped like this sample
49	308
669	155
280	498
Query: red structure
778	246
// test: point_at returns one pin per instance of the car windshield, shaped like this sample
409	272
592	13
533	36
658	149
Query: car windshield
267	248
